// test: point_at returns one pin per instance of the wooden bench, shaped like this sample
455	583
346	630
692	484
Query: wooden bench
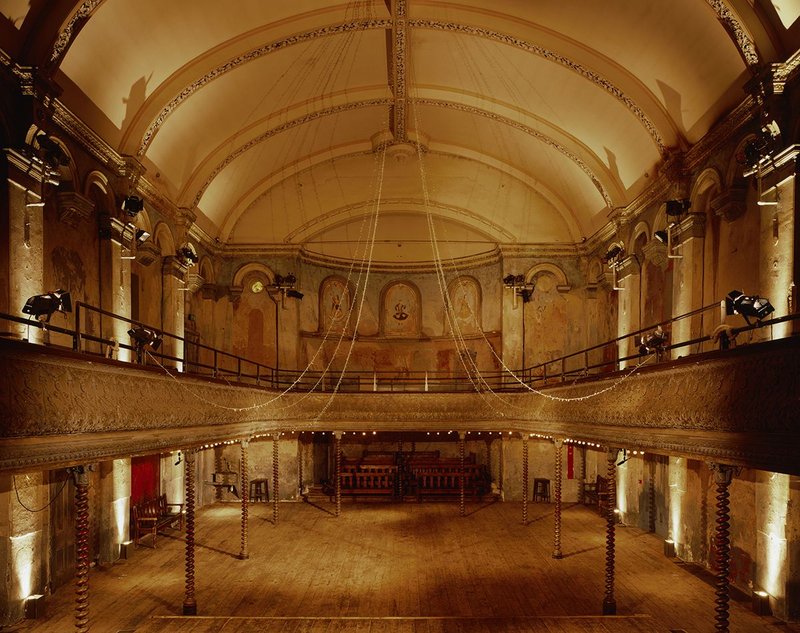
152	515
596	494
365	479
444	480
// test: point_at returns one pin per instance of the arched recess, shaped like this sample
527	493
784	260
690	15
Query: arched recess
206	269
466	300
400	310
255	314
546	268
163	238
336	298
642	228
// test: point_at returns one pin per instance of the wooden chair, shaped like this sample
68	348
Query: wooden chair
541	490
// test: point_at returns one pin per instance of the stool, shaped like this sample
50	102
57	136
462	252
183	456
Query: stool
541	490
259	490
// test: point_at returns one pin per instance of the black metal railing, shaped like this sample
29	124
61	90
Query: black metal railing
189	356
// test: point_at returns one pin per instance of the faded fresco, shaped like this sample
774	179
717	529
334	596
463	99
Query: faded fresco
465	299
335	300
400	313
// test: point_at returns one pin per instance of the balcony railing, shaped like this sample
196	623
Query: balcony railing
187	355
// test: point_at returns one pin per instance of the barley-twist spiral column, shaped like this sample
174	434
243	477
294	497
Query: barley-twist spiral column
651	496
300	457
275	478
189	602
525	483
609	602
337	475
461	457
81	474
558	443
243	476
723	475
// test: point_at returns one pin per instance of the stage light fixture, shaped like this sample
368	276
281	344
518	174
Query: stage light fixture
661	236
43	306
144	337
187	255
748	306
294	294
132	205
614	252
676	208
142	236
653	342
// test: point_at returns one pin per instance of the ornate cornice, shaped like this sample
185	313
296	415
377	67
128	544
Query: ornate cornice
88	139
552	56
231	64
307	118
398	68
460	107
743	42
740	405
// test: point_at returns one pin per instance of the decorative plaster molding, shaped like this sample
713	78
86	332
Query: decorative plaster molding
462	263
73	208
174	267
398	70
69	32
552	56
731	204
460	107
299	38
656	252
743	42
627	267
692	226
194	281
114	229
283	127
147	253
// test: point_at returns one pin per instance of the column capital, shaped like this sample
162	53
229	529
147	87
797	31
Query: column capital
73	208
338	435
245	442
558	442
174	267
731	204
81	473
462	435
724	473
656	252
692	226
627	267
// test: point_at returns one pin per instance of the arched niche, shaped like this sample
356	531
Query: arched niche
163	238
641	228
466	301
552	270
249	274
707	187
206	269
335	304
401	310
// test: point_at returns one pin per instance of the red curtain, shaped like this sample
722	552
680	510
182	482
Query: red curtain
145	478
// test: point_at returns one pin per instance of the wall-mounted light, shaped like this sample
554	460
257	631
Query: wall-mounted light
42	307
665	237
143	338
653	342
748	306
285	286
187	254
519	288
132	205
613	259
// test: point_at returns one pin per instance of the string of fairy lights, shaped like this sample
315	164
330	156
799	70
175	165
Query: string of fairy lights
358	277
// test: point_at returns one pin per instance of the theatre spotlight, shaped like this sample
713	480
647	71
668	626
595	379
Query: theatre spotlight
132	205
180	458
676	208
653	342
43	306
187	255
661	236
294	294
142	236
614	253
748	306
517	285
144	337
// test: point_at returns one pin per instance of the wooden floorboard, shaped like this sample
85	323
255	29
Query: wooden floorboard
400	568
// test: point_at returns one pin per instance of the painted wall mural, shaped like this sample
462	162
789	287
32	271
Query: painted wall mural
400	310
335	300
465	299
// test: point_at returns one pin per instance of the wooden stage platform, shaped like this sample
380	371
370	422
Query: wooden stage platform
399	567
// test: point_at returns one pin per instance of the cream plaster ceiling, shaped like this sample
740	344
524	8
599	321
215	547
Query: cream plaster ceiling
535	119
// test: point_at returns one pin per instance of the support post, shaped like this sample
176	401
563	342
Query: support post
81	474
557	444
525	483
300	458
189	602
243	477
609	602
461	457
337	449
723	476
651	495
275	478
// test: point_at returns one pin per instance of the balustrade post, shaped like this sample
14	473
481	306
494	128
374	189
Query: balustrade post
275	477
525	483
609	602
461	457
337	475
723	476
557	443
81	475
245	485
189	602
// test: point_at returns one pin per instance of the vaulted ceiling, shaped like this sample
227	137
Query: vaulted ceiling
510	122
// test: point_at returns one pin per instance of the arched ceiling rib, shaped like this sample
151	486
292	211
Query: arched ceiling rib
580	101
